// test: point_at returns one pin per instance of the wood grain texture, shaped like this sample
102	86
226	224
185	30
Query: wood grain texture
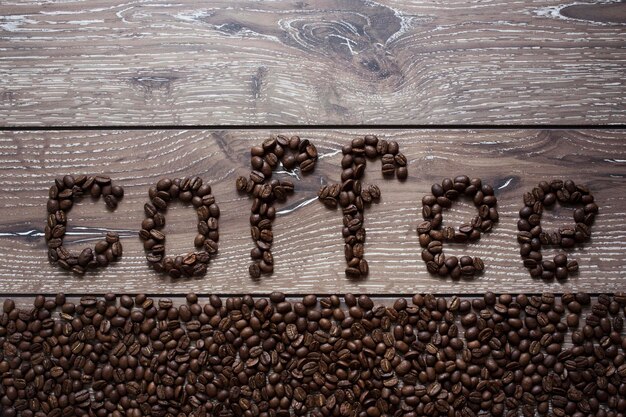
327	62
308	247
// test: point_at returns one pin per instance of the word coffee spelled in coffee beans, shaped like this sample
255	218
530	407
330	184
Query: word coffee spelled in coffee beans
353	356
291	152
532	237
187	190
62	196
432	235
353	196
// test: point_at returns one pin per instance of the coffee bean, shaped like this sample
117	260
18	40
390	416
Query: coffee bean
561	273
353	273
307	165
8	305
241	183
478	264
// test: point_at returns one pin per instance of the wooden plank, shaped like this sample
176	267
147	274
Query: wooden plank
308	246
330	62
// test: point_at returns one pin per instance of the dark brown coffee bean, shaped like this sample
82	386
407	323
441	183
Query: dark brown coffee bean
353	273
572	266
307	165
388	169
478	264
561	273
393	147
435	247
241	183
402	173
257	177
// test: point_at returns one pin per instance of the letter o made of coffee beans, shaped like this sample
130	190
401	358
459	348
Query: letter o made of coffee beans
187	190
432	235
532	237
62	196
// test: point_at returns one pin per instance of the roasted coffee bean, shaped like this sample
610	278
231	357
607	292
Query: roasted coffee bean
572	266
191	264
62	195
241	183
529	225
402	173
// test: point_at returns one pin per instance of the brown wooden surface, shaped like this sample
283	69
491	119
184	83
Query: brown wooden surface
338	62
308	247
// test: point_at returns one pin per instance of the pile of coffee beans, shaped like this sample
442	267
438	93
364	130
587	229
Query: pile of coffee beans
496	355
62	196
432	234
532	237
353	196
187	190
291	152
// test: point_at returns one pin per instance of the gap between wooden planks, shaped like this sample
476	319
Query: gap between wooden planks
308	246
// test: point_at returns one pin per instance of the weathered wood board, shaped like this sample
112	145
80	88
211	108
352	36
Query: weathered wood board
308	246
327	62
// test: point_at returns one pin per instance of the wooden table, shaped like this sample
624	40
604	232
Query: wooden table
513	92
152	89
